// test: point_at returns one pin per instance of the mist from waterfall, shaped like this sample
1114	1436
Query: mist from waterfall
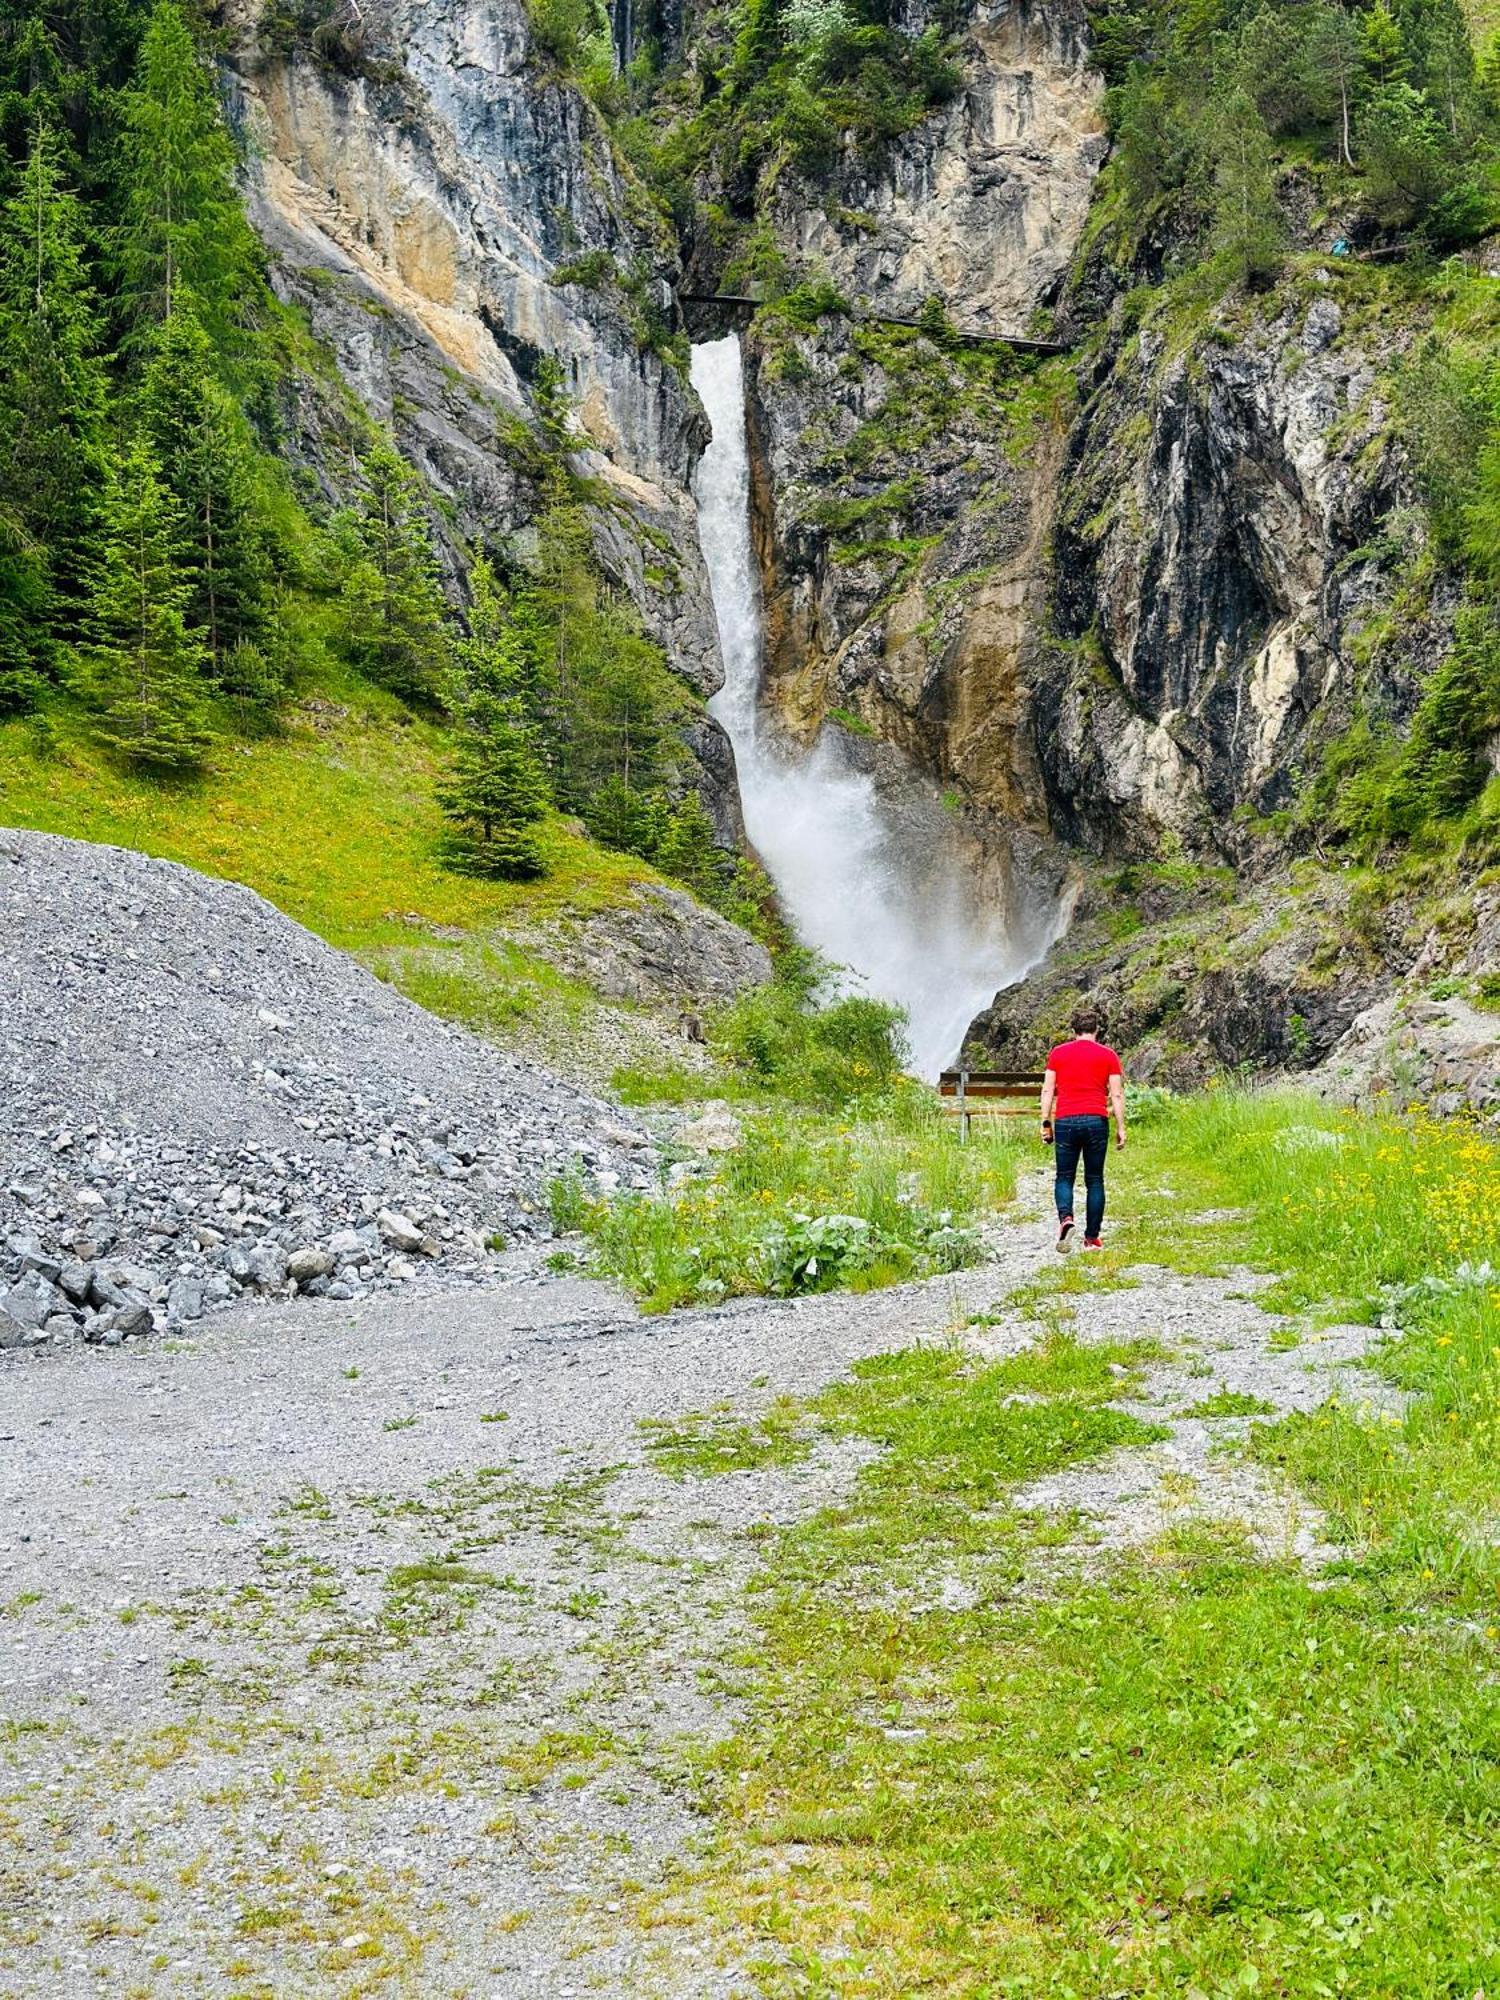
905	925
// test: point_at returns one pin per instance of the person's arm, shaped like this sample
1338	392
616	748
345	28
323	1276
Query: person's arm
1117	1105
1049	1098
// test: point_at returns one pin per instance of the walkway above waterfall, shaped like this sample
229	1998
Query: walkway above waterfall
1020	343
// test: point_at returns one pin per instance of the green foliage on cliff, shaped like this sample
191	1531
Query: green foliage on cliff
1210	109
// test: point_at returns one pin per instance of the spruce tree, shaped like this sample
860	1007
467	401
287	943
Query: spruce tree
184	230
1248	231
687	848
145	661
204	445
496	793
396	619
52	405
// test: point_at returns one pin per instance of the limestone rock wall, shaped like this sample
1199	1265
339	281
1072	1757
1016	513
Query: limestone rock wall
1221	542
982	203
418	202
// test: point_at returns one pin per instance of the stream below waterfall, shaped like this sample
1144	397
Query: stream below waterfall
897	910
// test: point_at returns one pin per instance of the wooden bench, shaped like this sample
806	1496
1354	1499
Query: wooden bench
1005	1093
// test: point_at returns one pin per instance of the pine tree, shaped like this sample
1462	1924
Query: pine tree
397	623
496	793
1331	53
1383	47
52	404
184	229
145	662
25	612
204	445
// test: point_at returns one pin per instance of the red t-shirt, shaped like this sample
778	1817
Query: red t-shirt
1083	1070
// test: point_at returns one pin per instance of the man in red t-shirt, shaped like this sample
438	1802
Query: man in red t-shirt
1083	1085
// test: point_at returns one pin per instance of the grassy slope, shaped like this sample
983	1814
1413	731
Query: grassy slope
335	822
1194	1772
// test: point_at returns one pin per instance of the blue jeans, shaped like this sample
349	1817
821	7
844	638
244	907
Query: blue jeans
1089	1137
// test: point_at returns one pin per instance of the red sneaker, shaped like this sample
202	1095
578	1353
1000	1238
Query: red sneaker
1064	1231
1093	1242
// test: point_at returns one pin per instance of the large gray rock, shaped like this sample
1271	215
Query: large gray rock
662	948
30	1301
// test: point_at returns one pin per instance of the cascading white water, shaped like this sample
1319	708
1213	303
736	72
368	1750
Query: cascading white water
907	926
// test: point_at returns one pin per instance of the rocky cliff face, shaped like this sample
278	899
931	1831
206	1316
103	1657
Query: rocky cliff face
983	203
903	485
1222	553
420	193
1107	607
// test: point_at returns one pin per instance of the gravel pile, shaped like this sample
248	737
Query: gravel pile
200	1102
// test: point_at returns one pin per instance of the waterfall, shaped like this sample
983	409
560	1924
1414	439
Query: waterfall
876	894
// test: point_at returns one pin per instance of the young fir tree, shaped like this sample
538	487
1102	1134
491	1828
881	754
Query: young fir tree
397	628
496	793
1248	231
204	445
145	661
687	849
52	406
184	231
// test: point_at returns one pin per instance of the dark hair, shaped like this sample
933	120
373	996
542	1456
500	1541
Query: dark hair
1088	1021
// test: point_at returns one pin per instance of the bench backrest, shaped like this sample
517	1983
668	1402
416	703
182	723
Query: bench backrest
989	1083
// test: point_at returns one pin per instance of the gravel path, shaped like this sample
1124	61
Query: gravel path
361	1649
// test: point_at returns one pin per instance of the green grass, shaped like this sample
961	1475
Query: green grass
335	821
716	1440
1230	1403
1184	1770
806	1202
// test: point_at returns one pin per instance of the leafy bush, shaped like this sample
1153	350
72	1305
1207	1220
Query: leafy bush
782	1041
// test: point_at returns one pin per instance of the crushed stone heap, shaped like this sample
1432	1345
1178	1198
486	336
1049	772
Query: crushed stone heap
201	1101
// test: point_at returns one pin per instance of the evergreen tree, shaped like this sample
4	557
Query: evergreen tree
144	661
184	233
1248	230
1383	47
53	394
1443	766
1332	56
496	793
25	609
688	850
1404	154
203	442
397	621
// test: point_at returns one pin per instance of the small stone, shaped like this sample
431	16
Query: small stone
400	1269
715	1130
399	1230
185	1300
266	1266
308	1263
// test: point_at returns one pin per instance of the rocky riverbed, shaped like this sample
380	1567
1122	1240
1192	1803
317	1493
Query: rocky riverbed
200	1102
